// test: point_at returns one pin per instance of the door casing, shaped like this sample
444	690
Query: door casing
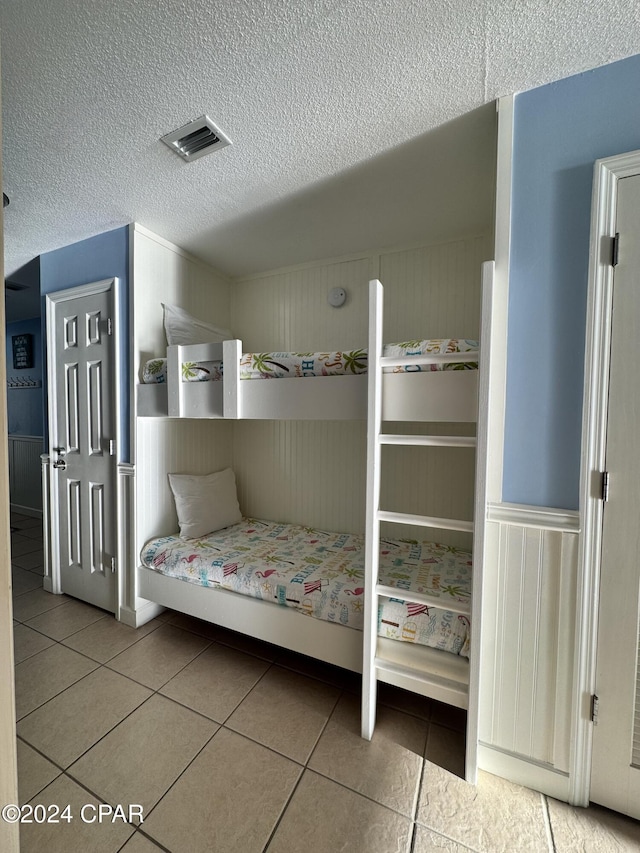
607	173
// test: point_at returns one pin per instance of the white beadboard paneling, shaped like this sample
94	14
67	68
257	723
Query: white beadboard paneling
529	619
25	472
290	311
174	446
164	273
306	472
434	291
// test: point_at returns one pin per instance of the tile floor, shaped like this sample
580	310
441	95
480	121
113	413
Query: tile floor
234	746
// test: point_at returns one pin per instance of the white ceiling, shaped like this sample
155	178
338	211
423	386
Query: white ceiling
353	121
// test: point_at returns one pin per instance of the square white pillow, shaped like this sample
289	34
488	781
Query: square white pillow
182	328
206	502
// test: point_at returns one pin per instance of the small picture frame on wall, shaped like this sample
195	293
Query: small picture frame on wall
22	351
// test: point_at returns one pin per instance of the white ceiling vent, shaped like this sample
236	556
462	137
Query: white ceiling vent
196	139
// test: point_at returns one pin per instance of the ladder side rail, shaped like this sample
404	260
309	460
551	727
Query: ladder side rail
480	515
372	523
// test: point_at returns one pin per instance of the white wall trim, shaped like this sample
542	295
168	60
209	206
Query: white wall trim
607	173
523	771
544	518
502	249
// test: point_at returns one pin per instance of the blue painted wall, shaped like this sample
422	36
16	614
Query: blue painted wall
559	130
25	406
95	259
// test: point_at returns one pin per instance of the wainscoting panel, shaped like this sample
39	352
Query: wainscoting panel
25	477
528	635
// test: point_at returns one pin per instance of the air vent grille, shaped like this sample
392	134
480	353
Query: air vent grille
196	139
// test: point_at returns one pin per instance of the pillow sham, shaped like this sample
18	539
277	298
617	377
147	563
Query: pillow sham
182	328
205	502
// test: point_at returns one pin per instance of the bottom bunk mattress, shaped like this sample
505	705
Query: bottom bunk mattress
322	575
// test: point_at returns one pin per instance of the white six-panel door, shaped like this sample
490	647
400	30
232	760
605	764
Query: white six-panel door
82	441
615	778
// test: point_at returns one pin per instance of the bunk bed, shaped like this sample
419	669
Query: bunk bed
426	390
394	388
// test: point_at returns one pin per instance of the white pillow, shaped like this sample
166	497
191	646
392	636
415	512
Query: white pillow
181	328
205	503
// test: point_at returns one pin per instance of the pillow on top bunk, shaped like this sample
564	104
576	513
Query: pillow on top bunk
205	503
182	328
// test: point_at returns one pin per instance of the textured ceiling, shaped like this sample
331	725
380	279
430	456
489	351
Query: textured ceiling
348	117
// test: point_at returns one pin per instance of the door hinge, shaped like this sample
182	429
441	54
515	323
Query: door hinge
114	565
112	447
615	248
605	486
107	326
595	707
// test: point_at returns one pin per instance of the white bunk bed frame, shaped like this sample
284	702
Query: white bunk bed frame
429	396
419	396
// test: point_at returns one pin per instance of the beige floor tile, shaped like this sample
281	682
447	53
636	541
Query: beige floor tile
592	830
27	642
159	656
23	545
236	809
67	619
43	676
386	769
243	643
217	681
446	748
32	561
76	719
336	675
494	817
196	626
449	716
23	581
427	841
35	602
34	772
76	835
138	843
324	816
405	701
139	759
285	711
106	638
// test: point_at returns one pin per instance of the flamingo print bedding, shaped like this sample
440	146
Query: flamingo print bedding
291	365
322	574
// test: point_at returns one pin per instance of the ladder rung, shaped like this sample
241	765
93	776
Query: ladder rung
461	607
425	521
429	440
429	358
454	687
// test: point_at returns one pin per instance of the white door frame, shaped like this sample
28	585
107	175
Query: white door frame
52	301
607	173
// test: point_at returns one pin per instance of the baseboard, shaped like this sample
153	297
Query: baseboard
523	771
139	617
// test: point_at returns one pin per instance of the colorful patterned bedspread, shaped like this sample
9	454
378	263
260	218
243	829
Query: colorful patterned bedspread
322	575
285	365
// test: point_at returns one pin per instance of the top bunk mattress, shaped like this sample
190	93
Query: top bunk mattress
294	365
322	575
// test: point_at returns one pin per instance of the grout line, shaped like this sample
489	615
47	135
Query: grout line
547	823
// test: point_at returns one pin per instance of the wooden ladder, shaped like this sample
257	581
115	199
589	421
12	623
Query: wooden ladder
381	656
